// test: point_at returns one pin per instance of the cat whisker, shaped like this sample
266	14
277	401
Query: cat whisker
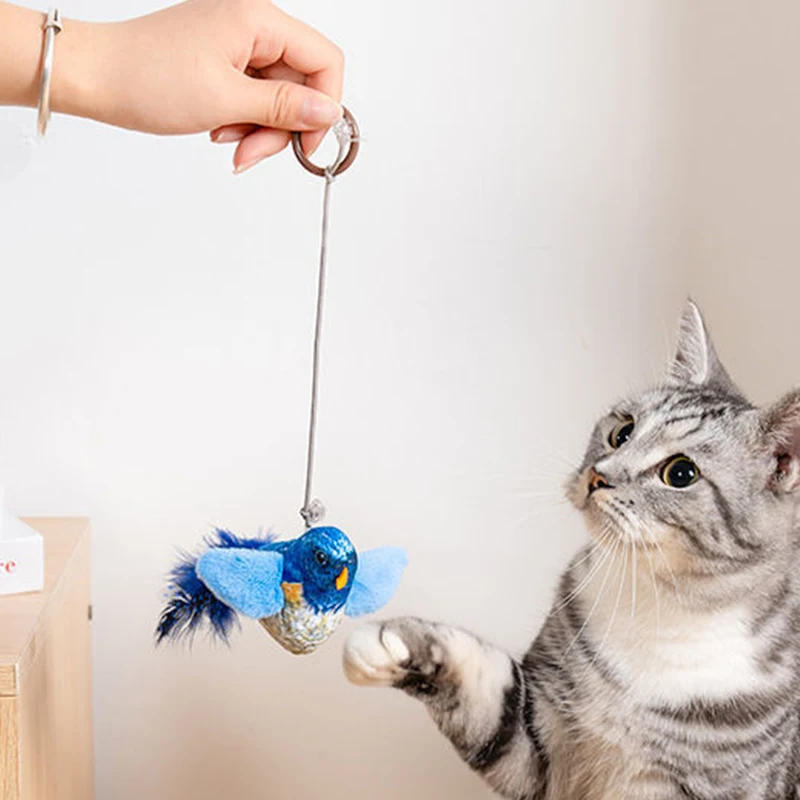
549	475
640	533
593	570
664	558
601	540
519	482
597	599
558	496
655	591
532	515
553	451
589	575
634	578
622	573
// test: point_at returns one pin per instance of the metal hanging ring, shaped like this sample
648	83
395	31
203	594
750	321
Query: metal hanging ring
321	172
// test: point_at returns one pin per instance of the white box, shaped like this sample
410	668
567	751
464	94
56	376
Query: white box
21	556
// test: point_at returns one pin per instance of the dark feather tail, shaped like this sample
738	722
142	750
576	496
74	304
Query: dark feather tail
189	601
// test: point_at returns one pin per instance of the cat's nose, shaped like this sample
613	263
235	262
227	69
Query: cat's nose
597	481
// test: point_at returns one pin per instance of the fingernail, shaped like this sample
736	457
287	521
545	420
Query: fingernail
244	167
320	111
225	137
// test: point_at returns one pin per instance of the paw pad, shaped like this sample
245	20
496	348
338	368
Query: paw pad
373	656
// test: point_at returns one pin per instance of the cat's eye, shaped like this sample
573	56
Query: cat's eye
321	558
680	472
621	433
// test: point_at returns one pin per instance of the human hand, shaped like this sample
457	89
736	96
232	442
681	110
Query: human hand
242	69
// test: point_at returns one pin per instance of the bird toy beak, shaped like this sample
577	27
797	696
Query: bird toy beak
341	581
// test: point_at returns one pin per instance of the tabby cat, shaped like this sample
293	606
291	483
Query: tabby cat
668	665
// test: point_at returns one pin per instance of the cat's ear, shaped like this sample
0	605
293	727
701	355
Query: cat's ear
696	361
781	426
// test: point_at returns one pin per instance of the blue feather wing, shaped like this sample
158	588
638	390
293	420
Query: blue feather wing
247	580
377	578
189	603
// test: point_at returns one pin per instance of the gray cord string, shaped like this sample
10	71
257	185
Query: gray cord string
313	511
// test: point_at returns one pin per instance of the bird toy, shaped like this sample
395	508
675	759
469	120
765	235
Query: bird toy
298	589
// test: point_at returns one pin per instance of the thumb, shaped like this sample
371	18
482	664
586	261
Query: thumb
284	105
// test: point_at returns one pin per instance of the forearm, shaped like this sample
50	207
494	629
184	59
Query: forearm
20	55
479	696
80	54
482	702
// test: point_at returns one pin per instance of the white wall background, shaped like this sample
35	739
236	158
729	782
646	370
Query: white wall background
507	257
743	193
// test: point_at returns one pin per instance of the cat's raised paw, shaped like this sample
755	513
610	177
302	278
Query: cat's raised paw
374	655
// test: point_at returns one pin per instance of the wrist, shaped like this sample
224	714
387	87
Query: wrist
21	39
80	69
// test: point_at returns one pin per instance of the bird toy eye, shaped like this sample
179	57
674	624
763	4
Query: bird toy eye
321	558
621	433
680	472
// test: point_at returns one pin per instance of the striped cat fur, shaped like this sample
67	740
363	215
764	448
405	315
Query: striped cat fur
667	668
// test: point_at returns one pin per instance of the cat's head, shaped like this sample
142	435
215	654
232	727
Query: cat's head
691	468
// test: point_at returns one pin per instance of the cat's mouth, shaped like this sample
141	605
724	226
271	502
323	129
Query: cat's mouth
608	515
613	515
611	520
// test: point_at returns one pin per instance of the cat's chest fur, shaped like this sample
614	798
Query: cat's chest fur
660	656
665	651
685	656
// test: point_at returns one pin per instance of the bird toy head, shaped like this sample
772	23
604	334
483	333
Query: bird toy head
324	561
298	589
